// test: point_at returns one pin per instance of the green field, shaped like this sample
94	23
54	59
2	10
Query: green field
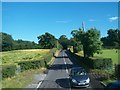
110	53
10	57
22	79
107	53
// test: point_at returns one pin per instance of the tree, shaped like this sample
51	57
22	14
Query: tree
7	41
76	41
89	40
113	38
47	41
64	41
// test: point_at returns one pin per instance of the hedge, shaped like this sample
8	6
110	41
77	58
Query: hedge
34	64
8	71
105	63
99	63
117	71
25	65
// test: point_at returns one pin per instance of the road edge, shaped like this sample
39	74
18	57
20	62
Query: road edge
51	62
102	83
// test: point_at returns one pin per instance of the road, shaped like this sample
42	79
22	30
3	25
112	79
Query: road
58	74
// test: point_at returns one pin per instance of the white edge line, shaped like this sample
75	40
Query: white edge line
39	84
42	80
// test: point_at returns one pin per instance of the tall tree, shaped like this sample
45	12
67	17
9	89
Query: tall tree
64	41
113	38
7	41
47	41
90	40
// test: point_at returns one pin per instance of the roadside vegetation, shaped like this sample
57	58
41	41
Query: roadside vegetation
13	72
97	55
11	57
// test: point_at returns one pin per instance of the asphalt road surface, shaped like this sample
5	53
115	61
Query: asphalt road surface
58	74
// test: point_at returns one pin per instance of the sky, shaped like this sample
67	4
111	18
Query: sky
27	20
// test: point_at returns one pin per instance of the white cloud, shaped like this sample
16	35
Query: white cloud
113	19
63	21
91	20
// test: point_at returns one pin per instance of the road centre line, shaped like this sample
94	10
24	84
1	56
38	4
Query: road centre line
65	62
67	71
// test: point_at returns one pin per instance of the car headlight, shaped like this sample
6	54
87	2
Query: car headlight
73	80
88	80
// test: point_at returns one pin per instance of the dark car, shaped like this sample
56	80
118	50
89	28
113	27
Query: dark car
113	86
79	77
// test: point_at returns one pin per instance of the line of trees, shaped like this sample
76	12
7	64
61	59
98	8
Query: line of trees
112	40
8	43
89	42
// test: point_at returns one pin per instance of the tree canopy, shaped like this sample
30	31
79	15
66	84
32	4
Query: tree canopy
8	43
64	41
89	41
113	38
47	41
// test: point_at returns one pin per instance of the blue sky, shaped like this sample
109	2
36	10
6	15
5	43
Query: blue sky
27	20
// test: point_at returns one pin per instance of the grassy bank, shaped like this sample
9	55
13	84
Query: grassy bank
11	57
21	80
25	78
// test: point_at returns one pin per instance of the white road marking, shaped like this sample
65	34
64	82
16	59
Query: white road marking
39	85
66	71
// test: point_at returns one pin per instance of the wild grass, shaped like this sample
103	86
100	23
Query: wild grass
21	80
11	57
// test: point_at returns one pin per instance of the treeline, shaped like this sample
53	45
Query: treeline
112	40
8	43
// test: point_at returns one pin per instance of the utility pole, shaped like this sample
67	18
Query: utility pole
83	26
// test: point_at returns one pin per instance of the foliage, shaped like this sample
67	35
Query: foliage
35	64
113	38
21	80
8	43
93	63
10	57
47	41
117	71
8	71
20	44
64	41
105	63
90	41
109	53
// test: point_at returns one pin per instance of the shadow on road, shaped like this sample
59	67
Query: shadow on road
60	66
61	56
63	82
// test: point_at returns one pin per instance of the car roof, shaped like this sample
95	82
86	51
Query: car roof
77	68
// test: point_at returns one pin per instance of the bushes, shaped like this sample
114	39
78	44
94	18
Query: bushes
8	71
25	65
117	71
34	64
100	63
11	70
105	63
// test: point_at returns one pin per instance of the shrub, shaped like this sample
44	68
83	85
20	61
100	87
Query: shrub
8	71
25	65
34	64
117	71
105	63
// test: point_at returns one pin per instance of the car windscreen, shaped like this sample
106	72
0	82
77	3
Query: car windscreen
78	72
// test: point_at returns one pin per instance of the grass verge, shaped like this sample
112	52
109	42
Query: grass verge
21	80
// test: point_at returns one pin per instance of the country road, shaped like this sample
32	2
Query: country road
58	74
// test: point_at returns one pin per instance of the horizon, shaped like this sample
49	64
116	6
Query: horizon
28	20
